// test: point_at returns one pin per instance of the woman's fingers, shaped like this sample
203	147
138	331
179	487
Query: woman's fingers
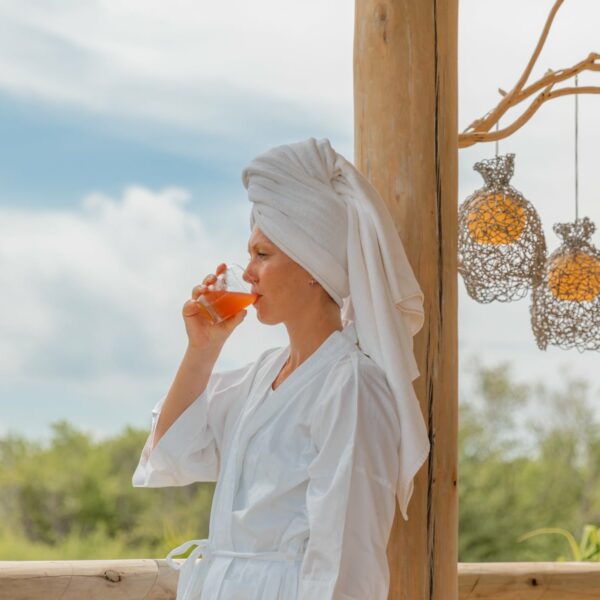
232	322
208	280
198	290
203	287
190	308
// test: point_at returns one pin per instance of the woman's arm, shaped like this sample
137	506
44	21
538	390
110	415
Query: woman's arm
190	449
205	342
190	381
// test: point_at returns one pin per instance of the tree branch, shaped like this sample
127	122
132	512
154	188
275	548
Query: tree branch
527	72
468	139
479	130
490	119
588	64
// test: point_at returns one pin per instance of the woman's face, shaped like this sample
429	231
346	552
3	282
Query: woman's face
282	284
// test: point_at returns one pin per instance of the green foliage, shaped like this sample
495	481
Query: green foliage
524	484
517	475
74	500
588	549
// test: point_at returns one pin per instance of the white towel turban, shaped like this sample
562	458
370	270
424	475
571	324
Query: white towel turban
315	205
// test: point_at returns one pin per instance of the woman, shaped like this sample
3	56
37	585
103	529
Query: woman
311	443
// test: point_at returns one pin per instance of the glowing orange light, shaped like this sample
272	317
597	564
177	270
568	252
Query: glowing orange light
496	218
575	276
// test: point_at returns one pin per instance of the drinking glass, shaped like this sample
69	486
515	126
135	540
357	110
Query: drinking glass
227	296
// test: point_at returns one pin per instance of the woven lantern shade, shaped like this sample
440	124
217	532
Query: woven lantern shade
565	309
501	243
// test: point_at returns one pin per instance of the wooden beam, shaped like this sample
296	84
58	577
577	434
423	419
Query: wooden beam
529	581
153	579
406	143
148	579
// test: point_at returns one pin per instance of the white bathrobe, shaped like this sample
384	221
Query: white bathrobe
306	477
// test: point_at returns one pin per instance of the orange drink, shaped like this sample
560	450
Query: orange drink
228	296
218	305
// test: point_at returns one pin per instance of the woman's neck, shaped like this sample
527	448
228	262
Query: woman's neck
308	333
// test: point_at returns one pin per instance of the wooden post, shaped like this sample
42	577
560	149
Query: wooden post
406	143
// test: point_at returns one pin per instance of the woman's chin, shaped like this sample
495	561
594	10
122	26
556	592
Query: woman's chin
265	319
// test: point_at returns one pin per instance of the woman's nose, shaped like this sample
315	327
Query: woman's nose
246	276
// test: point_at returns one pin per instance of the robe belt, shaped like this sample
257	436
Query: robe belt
196	572
203	548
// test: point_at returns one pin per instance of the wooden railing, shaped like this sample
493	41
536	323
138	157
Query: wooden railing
153	579
529	581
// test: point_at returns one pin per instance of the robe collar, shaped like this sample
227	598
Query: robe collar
336	342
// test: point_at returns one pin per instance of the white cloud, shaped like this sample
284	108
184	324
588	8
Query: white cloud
184	62
94	296
90	323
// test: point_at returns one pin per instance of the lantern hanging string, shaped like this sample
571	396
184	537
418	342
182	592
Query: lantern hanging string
576	150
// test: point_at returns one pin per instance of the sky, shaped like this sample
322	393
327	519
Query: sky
125	127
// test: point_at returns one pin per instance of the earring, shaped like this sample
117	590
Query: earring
312	282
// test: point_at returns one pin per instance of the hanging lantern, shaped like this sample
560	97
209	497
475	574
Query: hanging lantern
565	309
501	243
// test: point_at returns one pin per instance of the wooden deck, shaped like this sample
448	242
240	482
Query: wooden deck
152	579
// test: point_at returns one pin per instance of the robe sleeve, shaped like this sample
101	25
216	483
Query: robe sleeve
190	449
351	495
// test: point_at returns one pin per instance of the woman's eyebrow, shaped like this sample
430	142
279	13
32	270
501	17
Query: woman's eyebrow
254	246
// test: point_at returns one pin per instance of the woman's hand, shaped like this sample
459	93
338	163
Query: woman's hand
203	334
